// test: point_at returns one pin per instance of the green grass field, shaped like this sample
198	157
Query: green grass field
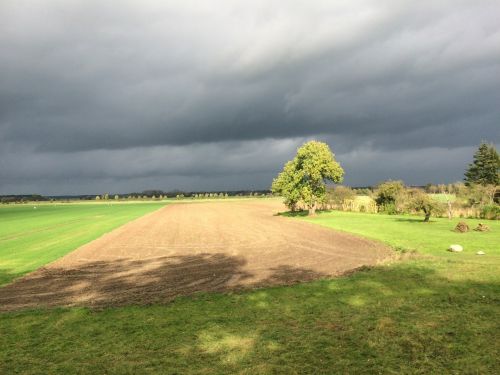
30	238
410	232
430	313
443	197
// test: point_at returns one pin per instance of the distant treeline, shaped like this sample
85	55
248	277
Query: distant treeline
146	194
22	198
160	194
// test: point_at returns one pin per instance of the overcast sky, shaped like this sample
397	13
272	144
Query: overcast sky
122	96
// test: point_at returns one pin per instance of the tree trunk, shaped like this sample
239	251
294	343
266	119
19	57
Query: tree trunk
427	216
312	209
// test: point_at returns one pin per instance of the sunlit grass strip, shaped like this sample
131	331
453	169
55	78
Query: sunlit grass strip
31	237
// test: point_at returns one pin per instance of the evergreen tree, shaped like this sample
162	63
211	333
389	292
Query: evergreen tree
485	168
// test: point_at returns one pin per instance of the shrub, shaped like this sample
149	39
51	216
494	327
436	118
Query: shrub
387	193
491	212
388	208
479	195
338	196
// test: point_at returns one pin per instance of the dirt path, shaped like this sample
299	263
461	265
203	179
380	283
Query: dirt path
184	248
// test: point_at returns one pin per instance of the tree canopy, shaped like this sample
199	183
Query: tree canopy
303	178
387	193
485	167
418	200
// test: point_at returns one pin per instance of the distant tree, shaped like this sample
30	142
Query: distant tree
106	196
485	167
97	198
226	195
339	194
387	193
362	191
433	189
420	201
303	178
116	197
459	188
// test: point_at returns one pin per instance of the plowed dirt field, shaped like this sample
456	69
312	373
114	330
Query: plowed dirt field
185	248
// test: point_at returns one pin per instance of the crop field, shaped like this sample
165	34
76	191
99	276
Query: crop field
186	248
145	298
36	234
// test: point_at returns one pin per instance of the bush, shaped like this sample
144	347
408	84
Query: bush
388	208
491	212
479	195
387	193
338	196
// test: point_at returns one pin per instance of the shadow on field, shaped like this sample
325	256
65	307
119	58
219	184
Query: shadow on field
7	276
410	316
413	220
402	319
301	213
141	282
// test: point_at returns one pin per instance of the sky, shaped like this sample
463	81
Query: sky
124	96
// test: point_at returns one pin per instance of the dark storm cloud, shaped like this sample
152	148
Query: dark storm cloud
176	93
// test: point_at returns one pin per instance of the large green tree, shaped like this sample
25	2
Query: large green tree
485	167
303	178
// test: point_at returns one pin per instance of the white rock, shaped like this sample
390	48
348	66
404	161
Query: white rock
480	252
455	248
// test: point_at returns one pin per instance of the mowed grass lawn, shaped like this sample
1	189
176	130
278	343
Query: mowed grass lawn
31	237
430	313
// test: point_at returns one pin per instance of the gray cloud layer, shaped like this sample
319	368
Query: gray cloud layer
216	95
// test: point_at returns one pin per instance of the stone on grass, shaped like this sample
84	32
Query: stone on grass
480	252
455	248
462	227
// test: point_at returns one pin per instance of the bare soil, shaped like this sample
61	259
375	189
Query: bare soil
186	248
